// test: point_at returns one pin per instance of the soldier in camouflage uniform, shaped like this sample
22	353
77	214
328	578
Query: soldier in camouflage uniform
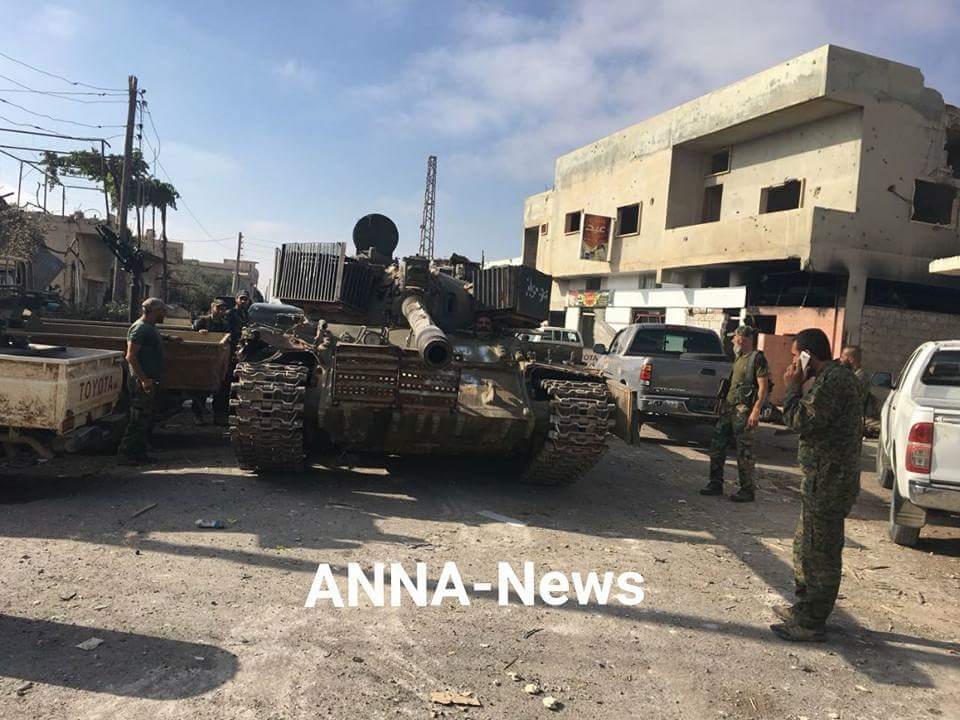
829	419
852	357
739	416
216	321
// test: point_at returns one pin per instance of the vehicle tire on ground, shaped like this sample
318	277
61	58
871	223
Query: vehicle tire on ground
901	534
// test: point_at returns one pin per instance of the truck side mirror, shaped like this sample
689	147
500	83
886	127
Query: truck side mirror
882	380
600	349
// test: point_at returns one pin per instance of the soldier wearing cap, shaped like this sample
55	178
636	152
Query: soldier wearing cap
216	321
145	363
740	405
239	316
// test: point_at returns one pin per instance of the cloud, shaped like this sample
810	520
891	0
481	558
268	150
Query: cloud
58	21
295	71
508	91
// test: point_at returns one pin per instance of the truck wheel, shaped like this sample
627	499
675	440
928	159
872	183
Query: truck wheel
901	534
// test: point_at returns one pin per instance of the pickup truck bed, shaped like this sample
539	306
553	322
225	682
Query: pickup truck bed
675	370
919	449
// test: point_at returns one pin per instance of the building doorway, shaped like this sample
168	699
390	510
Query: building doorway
586	327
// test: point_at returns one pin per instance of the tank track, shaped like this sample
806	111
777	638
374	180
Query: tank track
266	418
581	415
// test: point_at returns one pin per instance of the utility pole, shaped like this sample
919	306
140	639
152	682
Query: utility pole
236	269
119	282
429	208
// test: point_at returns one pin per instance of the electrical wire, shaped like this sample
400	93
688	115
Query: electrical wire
35	127
59	120
53	93
154	126
64	92
187	206
59	77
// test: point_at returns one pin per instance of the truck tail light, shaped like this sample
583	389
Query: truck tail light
920	448
646	373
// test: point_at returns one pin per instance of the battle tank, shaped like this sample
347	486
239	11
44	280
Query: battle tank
372	354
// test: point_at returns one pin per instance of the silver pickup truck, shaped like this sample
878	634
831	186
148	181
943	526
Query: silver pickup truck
675	370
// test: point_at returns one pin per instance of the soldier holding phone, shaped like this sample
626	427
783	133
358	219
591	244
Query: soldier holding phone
829	420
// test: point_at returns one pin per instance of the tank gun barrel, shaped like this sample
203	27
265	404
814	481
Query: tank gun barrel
432	344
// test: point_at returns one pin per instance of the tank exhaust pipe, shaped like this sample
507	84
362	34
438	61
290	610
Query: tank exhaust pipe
432	344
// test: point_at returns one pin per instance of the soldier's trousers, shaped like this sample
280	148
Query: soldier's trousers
732	425
817	562
142	410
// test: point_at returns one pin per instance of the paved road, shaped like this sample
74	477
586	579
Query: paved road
211	624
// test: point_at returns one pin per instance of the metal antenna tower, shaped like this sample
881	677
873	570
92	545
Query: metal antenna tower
429	208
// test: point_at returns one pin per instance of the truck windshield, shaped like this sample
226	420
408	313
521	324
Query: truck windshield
674	342
943	369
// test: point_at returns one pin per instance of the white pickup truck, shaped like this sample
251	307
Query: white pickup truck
918	454
674	370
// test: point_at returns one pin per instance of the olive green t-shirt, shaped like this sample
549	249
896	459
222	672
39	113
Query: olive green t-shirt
150	354
738	375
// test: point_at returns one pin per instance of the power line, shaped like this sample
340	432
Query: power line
187	206
53	93
59	77
21	89
29	125
154	126
60	120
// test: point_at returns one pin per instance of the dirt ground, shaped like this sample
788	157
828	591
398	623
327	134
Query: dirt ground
212	624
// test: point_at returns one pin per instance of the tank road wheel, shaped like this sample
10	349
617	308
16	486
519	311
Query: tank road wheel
266	417
581	415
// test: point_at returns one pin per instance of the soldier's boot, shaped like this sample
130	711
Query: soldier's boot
785	613
743	496
797	633
714	487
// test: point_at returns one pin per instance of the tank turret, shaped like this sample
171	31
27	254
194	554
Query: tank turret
385	358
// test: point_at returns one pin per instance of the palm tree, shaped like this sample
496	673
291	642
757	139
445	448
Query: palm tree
162	195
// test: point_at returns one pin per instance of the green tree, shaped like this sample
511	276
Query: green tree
92	165
194	289
21	234
161	195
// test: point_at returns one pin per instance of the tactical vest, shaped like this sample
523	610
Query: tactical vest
746	392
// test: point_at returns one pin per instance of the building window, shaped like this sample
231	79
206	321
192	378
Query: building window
628	219
647	281
712	198
719	162
545	228
592	283
781	197
933	203
571	222
530	246
952	148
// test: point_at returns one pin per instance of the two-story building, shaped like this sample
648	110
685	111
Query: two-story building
815	193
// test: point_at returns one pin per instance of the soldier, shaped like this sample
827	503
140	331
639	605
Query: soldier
239	316
216	321
145	363
852	357
483	326
739	416
829	419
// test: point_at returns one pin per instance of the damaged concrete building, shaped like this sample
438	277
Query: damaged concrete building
815	193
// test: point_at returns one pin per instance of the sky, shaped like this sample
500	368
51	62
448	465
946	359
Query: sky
288	121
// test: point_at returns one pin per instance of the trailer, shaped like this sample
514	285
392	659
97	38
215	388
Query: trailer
193	363
51	395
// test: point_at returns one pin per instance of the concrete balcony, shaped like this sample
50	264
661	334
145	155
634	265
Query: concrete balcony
773	236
